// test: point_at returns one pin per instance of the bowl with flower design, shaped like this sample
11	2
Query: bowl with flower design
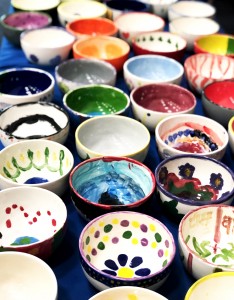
185	182
126	248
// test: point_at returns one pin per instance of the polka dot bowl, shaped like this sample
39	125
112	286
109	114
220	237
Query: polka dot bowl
126	248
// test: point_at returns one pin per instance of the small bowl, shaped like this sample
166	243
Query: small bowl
54	47
74	73
108	48
217	101
15	23
215	286
132	23
37	163
231	133
205	240
33	220
114	136
191	28
126	248
23	85
26	276
116	184
160	7
153	102
160	43
190	133
221	44
204	68
186	182
34	120
149	68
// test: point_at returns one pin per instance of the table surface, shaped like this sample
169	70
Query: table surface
65	262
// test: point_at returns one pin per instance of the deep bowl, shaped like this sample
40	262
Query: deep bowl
106	184
126	248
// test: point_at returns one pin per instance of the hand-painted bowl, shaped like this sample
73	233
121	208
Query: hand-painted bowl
22	85
160	43
204	68
126	248
33	220
37	163
217	101
27	277
47	46
34	120
149	68
13	24
231	133
108	48
205	240
186	182
191	133
132	23
113	135
153	102
106	184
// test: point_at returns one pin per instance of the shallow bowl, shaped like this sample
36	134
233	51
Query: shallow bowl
231	133
186	182
126	248
114	136
33	220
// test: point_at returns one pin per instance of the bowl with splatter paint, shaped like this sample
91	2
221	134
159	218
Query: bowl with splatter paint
190	133
126	248
33	220
185	182
109	183
36	163
205	240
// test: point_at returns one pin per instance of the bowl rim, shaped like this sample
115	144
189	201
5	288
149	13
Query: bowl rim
16	4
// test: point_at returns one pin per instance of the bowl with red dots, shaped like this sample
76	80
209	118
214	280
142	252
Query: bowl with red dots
126	249
32	220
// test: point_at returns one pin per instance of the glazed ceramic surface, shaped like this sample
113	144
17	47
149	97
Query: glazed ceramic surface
160	7
28	5
20	85
190	133
143	69
106	184
205	236
35	120
126	248
32	221
185	182
231	133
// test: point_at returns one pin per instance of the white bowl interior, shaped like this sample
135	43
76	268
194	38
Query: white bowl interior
82	9
35	5
193	9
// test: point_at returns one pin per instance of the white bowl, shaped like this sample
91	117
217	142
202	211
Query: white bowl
160	7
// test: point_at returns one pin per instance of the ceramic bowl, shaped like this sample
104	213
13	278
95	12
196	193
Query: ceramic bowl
217	101
205	240
132	23
114	136
231	133
153	102
69	11
204	68
126	248
110	49
191	28
160	7
214	286
185	182
46	46
83	28
33	220
222	44
34	120
149	68
37	163
106	184
15	23
26	276
190	133
22	85
74	73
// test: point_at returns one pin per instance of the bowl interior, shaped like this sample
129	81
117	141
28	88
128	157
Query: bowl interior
34	5
193	9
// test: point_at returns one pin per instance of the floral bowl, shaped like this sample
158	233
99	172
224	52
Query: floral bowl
231	133
33	220
185	182
126	248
